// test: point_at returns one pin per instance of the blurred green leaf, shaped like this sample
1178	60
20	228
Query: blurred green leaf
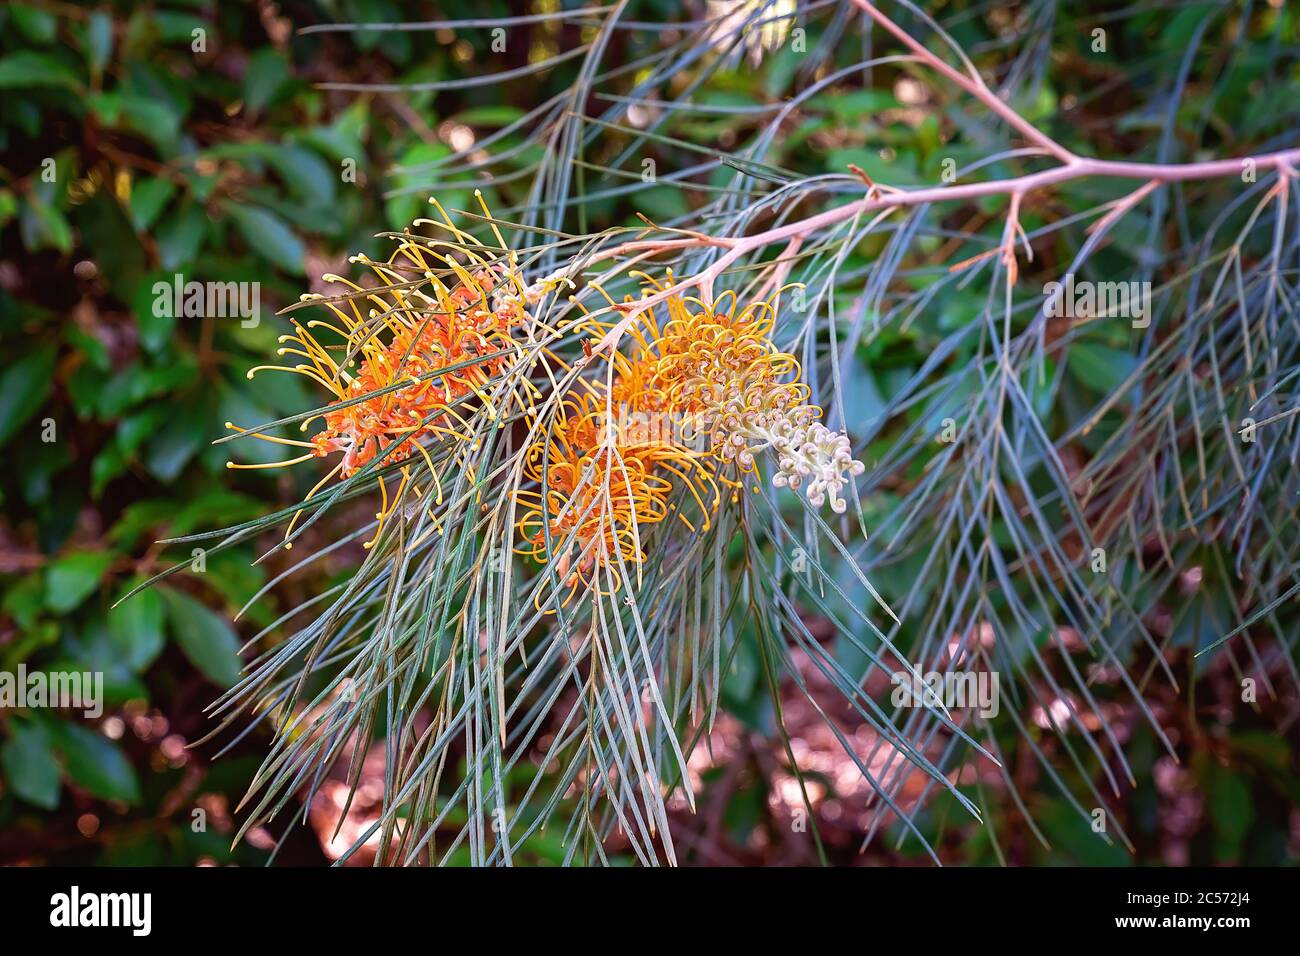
148	198
1231	810
25	599
307	175
73	578
206	638
27	68
139	517
39	26
110	463
177	27
137	626
29	765
105	227
270	237
267	73
175	443
154	120
180	235
341	139
42	225
24	386
95	763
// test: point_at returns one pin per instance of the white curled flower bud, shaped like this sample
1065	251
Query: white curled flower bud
812	454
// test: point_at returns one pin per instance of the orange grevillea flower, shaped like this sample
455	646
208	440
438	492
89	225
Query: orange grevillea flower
722	367
715	364
604	488
435	333
691	405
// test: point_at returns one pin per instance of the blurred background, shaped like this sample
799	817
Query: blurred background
145	140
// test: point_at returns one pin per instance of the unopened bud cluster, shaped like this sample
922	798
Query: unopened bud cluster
817	458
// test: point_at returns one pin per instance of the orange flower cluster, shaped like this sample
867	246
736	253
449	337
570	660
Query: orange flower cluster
601	495
723	368
688	407
459	331
422	349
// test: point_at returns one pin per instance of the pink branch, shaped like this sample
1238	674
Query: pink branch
879	197
973	85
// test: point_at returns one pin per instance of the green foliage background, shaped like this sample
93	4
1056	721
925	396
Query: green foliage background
228	164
